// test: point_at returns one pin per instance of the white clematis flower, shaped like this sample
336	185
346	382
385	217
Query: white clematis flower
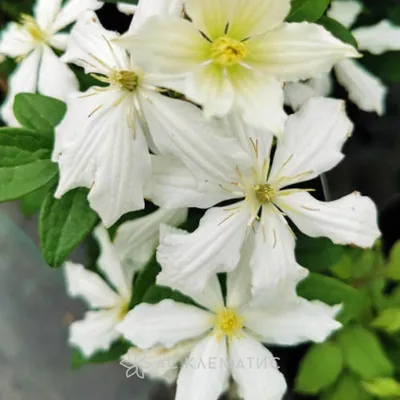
235	54
31	41
228	336
310	146
97	331
365	89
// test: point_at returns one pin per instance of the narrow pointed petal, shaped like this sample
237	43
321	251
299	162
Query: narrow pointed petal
191	259
349	220
45	12
345	12
60	41
255	370
365	89
136	241
88	285
379	38
166	324
15	41
298	321
312	143
297	51
206	373
95	332
55	77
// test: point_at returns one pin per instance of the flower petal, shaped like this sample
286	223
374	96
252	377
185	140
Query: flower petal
255	370
297	321
206	371
60	41
345	12
55	77
45	12
297	51
379	38
312	142
88	285
136	241
166	324
95	332
15	41
349	220
365	89
191	259
128	9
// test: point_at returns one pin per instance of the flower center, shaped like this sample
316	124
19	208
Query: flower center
31	26
228	323
265	193
227	51
123	310
127	80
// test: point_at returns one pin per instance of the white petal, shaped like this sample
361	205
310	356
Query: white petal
349	220
23	80
191	259
136	241
379	38
255	370
166	324
60	41
275	271
95	332
45	12
345	12
365	89
55	77
128	9
205	374
91	47
88	285
110	264
312	142
100	151
297	51
299	321
72	10
15	41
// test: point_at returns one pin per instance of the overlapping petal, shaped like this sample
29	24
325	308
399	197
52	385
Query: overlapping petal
15	41
345	12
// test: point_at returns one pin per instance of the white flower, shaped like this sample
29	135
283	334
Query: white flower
235	54
310	146
97	331
365	89
31	42
229	336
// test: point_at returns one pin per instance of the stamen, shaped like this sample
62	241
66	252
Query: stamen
127	80
265	193
228	323
228	52
32	27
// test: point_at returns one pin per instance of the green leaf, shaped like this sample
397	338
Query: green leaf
63	224
320	368
332	292
338	30
307	10
393	271
39	113
32	202
383	387
25	163
388	321
158	293
363	353
385	65
347	388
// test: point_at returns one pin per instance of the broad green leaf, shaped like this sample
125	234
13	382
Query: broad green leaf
347	388
393	271
383	388
320	368
39	113
64	224
332	292
363	353
388	321
307	10
156	293
32	202
338	30
385	65
25	163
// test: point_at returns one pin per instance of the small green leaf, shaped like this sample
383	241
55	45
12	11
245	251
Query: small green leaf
383	387
363	353
347	388
393	271
32	202
338	30
320	368
156	293
388	321
25	163
307	10
39	113
63	224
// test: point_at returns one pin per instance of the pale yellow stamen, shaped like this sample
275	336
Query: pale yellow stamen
228	323
228	52
265	193
31	26
127	80
123	311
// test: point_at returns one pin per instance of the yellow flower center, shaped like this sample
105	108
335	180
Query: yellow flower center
127	80
228	323
228	52
31	26
123	310
265	193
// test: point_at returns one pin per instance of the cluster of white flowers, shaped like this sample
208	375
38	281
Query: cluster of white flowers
226	146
